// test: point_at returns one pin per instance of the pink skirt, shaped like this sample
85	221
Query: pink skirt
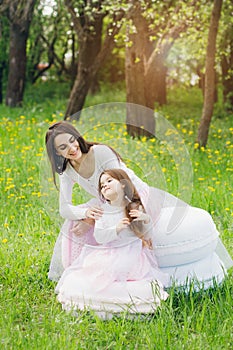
113	279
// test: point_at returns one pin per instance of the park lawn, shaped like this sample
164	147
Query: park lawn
30	317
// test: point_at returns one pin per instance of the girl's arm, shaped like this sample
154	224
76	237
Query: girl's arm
146	227
140	215
104	234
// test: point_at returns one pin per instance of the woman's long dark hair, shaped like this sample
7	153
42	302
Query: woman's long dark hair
59	163
131	195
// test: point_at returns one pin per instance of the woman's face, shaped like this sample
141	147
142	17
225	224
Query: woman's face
67	146
111	188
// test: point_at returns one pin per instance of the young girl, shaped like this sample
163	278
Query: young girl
120	272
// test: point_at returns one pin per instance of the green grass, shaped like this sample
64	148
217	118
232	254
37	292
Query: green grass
31	318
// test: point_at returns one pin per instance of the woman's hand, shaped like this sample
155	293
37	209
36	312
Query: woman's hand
94	212
122	224
139	215
82	226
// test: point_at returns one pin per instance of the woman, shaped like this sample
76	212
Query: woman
120	273
185	238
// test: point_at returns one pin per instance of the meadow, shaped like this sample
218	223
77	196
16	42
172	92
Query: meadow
30	316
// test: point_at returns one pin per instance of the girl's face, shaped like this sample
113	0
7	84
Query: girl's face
111	188
67	146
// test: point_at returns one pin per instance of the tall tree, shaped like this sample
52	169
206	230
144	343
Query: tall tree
4	41
153	29
20	15
208	105
87	17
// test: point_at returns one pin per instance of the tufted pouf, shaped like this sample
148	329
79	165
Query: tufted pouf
183	235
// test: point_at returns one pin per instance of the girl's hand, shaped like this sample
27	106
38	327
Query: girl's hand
94	213
124	223
139	215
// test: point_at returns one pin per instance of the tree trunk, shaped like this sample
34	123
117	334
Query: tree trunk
1	85
20	15
4	40
139	90
145	68
227	78
208	106
89	47
17	66
159	78
92	53
139	123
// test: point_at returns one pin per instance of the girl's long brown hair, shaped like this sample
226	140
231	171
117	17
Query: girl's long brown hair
131	195
59	163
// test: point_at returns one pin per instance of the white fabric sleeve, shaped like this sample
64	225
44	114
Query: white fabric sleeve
104	234
107	159
66	208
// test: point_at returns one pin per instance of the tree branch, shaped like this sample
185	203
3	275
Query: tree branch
112	28
75	17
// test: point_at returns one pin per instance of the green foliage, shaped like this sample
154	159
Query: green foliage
31	318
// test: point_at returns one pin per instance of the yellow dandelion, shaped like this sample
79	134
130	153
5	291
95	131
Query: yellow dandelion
5	240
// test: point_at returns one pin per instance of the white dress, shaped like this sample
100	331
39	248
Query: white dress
185	239
118	274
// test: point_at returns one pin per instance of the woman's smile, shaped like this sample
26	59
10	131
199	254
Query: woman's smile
68	147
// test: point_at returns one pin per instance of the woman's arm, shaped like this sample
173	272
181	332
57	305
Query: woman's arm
66	208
